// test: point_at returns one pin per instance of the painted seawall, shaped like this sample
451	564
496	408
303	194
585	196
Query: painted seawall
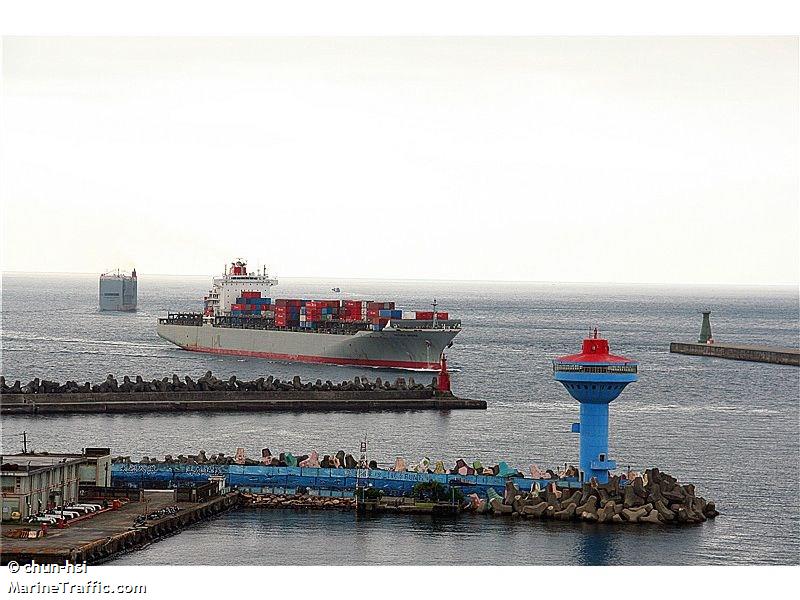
301	400
325	482
767	354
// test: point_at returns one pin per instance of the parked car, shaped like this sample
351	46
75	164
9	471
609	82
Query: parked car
42	519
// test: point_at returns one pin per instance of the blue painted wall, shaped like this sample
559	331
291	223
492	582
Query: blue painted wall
326	482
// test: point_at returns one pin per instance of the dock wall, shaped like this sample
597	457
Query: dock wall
766	354
105	547
257	401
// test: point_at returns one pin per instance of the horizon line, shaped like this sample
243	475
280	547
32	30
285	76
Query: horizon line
521	281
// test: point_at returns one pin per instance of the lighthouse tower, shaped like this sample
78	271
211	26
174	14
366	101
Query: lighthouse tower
594	378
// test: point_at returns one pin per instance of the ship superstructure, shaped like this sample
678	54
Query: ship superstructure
225	289
118	291
240	319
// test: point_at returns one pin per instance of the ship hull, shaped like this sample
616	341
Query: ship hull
419	349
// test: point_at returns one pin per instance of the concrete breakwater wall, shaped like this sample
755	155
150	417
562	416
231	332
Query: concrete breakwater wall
230	402
766	354
209	383
653	498
650	497
211	394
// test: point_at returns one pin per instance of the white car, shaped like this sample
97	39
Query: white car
90	506
57	516
42	519
81	508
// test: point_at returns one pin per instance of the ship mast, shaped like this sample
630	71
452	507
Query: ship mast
434	312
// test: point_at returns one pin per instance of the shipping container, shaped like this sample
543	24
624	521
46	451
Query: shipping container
380	305
391	314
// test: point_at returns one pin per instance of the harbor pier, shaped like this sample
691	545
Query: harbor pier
706	346
765	354
95	538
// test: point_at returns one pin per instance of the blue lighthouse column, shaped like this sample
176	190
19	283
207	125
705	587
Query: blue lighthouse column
594	460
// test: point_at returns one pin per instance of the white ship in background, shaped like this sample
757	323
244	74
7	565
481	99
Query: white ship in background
240	318
118	291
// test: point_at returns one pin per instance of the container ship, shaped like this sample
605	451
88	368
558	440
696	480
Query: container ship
118	291
241	318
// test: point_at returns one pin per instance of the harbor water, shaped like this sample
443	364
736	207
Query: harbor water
730	427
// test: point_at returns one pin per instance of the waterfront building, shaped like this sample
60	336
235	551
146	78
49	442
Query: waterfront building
33	482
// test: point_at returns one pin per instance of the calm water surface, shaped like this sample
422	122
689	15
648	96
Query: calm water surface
730	427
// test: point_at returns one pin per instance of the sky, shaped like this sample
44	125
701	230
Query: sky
613	159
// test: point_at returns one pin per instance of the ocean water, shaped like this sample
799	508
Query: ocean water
730	427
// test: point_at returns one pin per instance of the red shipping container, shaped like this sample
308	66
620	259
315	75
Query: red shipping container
442	315
380	305
424	315
237	306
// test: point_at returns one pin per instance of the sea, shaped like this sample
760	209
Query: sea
732	428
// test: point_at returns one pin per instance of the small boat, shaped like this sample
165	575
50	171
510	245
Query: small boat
337	290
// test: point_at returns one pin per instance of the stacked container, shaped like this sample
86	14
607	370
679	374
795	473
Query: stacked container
287	312
422	315
351	310
390	314
374	308
308	314
251	304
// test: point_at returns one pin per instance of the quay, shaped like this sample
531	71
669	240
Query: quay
95	538
765	354
300	400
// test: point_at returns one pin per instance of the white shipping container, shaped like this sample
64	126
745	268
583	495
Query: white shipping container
410	314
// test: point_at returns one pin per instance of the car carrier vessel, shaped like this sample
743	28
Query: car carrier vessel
240	318
118	291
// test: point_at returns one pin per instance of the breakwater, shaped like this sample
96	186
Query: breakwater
650	497
766	354
211	394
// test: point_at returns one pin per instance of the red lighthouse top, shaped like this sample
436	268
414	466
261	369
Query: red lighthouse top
595	350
